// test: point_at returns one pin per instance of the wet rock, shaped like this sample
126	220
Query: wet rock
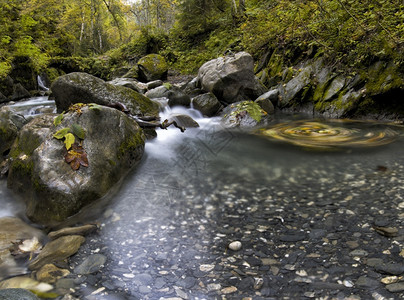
233	117
53	191
390	268
80	230
27	283
387	231
14	230
271	95
85	88
152	67
187	283
292	237
395	287
366	282
17	294
207	104
57	250
91	264
143	279
183	120
49	273
231	78
235	246
10	124
177	97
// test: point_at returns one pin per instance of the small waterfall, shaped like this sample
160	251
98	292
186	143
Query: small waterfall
41	84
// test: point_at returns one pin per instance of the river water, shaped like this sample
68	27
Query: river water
165	233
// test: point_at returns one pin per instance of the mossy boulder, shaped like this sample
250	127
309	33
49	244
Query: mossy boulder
10	124
152	67
51	188
84	88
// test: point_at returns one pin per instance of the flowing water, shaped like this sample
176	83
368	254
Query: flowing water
194	192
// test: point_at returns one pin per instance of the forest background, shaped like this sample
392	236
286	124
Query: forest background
101	36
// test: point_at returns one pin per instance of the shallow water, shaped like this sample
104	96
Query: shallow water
186	199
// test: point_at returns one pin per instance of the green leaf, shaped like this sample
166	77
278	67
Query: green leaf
58	119
60	134
78	131
69	140
94	106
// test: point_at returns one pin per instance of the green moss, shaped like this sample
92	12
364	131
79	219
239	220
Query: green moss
382	78
155	64
132	143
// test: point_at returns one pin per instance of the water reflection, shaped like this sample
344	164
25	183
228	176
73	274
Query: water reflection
333	134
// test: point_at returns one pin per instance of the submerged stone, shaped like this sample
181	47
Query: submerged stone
17	294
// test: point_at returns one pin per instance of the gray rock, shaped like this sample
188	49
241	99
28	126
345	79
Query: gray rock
295	86
177	97
143	279
153	84
52	190
366	282
207	104
266	105
183	120
393	288
3	98
231	78
152	67
130	83
232	118
91	264
158	92
19	92
17	294
390	268
85	88
293	237
271	95
336	85
10	124
57	250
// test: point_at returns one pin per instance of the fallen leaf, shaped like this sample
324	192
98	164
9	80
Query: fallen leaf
76	157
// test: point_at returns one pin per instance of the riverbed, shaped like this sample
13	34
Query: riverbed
311	222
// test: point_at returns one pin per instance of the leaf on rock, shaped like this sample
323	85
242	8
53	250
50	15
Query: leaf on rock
94	106
78	131
69	140
76	157
59	119
60	134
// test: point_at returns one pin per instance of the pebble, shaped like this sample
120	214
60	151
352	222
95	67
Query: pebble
389	279
235	246
229	290
206	268
395	287
390	268
91	264
387	231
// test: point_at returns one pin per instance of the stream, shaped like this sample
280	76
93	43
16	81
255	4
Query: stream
299	212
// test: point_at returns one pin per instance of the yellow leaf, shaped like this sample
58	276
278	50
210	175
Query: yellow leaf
69	140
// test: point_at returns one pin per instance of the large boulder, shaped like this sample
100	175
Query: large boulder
51	188
10	124
231	78
152	67
84	88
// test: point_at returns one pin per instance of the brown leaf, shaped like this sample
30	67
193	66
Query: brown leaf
76	156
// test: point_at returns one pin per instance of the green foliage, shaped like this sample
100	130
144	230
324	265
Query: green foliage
60	134
78	131
68	134
59	119
251	108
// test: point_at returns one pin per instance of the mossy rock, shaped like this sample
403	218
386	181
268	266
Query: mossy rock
84	88
152	67
52	189
10	124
